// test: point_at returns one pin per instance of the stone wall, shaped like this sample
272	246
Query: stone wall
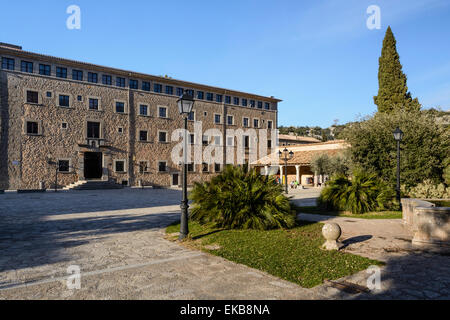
430	224
24	157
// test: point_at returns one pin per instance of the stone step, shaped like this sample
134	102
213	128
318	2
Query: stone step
92	185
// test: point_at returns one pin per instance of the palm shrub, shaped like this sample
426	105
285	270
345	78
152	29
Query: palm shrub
237	199
360	193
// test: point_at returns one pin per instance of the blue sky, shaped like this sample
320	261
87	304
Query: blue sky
317	56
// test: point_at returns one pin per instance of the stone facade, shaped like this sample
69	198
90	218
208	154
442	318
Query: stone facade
62	132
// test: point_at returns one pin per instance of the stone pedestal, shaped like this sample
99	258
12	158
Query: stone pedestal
331	233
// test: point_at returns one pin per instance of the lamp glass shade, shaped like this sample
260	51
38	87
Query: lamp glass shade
185	103
291	155
280	153
398	134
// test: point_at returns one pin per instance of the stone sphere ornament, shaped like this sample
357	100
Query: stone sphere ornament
331	232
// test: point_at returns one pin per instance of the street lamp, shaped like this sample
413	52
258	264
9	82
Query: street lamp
285	155
185	104
51	162
398	136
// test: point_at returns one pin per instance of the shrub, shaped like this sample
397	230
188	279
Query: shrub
430	190
424	147
236	199
361	193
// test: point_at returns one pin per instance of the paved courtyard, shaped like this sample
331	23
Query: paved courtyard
116	237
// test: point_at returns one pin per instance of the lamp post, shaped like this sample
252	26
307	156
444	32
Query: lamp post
51	162
398	136
185	104
285	155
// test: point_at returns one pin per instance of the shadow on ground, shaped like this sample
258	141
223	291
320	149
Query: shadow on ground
39	229
415	275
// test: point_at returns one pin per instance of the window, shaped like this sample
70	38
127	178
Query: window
205	140
64	100
162	136
49	94
93	130
236	101
230	120
219	98
205	167
143	166
79	98
191	138
26	66
180	92
227	99
269	143
246	142
216	140
120	107
169	90
256	123
190	167
44	69
252	103
269	124
217	167
157	87
190	92
32	127
200	95
230	141
120	82
143	110
63	165
209	96
92	77
267	106
134	84
162	166
259	105
145	85
191	116
32	97
162	112
77	75
143	135
245	122
119	166
217	118
93	104
8	63
106	79
120	130
63	125
61	72
244	102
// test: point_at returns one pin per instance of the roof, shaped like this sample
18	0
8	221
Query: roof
303	154
17	51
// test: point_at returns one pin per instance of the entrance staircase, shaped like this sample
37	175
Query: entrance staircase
93	185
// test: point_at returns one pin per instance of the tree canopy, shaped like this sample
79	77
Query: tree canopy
393	92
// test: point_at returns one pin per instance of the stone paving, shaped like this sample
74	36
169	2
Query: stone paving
116	237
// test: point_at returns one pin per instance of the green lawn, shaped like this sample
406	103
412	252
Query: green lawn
294	255
367	215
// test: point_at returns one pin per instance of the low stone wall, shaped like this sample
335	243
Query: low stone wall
430	224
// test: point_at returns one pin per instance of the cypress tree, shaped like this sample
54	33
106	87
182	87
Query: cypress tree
393	92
